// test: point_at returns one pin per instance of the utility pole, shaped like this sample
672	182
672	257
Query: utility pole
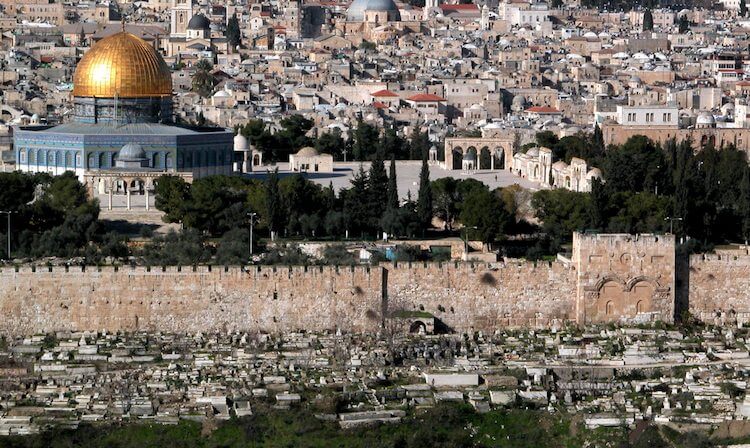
252	216
8	212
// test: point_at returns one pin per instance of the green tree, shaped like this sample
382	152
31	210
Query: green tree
562	212
684	24
203	79
233	248
485	216
234	35
445	200
424	196
274	211
356	199
745	204
364	136
377	189
331	143
172	197
648	21
419	144
392	195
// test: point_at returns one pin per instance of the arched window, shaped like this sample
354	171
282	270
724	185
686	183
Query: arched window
169	162
610	308
91	161
102	160
78	160
32	156
68	159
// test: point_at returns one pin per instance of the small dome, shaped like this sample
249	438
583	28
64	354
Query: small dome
533	152
240	143
594	173
356	11
131	152
199	22
307	151
705	118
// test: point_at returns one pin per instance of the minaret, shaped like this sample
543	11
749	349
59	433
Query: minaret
484	22
182	12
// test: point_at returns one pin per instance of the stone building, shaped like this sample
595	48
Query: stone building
122	96
308	159
536	165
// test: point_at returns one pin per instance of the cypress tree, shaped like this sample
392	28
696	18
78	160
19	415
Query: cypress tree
745	204
743	8
273	201
392	185
424	197
234	35
648	21
377	188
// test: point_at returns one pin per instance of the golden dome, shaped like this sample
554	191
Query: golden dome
125	65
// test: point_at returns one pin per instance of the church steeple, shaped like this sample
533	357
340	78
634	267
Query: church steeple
182	12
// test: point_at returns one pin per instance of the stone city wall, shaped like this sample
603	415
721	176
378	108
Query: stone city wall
174	300
719	286
608	278
468	297
463	296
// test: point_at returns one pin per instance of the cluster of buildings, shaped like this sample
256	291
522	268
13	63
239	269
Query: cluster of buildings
490	75
612	377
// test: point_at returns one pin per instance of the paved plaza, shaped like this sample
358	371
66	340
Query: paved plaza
407	173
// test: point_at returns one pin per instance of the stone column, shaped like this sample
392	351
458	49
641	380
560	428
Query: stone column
128	194
109	195
147	207
492	162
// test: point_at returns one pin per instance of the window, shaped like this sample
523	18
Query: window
23	156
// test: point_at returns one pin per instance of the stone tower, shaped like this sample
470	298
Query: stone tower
182	12
485	19
429	7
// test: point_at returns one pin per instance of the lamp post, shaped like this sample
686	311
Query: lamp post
252	216
466	242
8	212
671	223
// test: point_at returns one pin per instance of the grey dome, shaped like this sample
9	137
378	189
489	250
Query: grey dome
131	152
356	11
199	22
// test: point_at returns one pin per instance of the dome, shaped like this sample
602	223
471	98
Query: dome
706	119
131	152
533	152
199	22
594	173
122	65
240	143
356	11
307	151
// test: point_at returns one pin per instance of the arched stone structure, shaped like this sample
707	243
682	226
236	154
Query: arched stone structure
624	278
499	148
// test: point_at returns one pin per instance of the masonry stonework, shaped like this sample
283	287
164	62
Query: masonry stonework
719	286
608	278
624	277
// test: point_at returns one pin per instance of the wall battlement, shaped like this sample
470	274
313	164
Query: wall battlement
608	278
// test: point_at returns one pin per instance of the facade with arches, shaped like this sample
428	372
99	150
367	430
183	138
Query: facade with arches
89	149
495	153
627	278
